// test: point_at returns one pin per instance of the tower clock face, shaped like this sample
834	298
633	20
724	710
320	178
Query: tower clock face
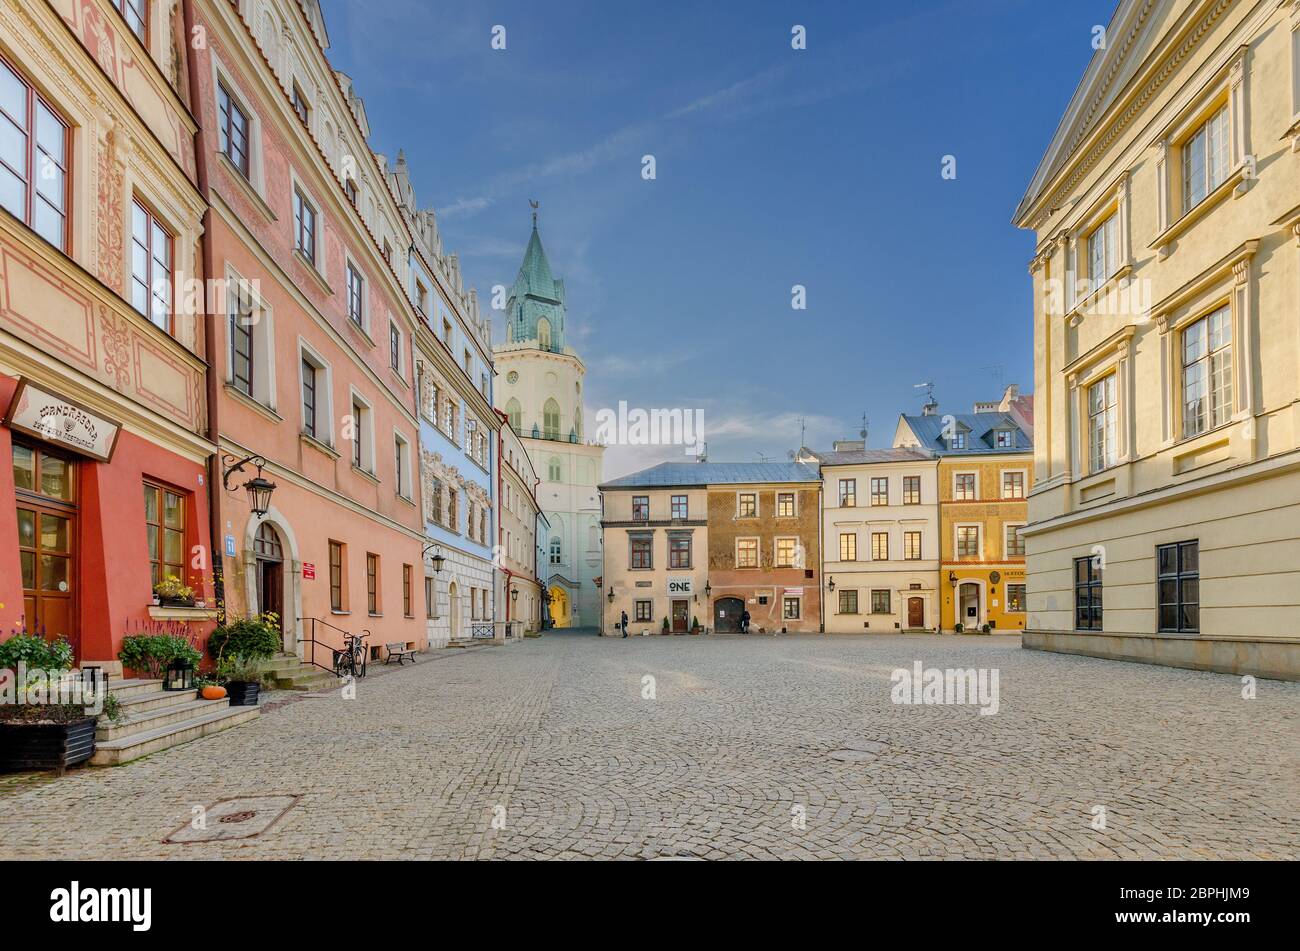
512	377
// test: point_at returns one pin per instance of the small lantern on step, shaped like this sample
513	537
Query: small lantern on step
180	676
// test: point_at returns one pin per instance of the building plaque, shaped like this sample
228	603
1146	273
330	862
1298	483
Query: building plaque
680	586
49	417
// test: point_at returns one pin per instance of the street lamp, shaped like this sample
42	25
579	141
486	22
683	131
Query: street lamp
952	578
831	584
708	588
259	489
514	594
437	560
611	594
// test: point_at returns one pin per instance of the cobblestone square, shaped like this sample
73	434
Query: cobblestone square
762	747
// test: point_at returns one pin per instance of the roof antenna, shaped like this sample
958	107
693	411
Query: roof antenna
931	406
533	205
866	427
802	430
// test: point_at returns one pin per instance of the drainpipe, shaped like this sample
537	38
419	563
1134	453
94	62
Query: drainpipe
209	324
501	454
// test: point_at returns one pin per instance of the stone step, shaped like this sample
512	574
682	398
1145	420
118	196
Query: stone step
145	720
283	662
305	678
129	688
123	750
157	699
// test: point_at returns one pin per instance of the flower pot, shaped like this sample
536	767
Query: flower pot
46	745
176	602
214	693
243	693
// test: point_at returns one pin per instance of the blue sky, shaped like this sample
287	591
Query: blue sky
775	167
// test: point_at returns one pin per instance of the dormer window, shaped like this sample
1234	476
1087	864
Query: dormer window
1004	439
957	441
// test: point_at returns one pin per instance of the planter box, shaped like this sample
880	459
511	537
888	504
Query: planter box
243	694
46	745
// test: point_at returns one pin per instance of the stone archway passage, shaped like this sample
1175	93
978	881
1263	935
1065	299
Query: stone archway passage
726	615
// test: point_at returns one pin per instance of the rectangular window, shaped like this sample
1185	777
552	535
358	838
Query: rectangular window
356	287
640	508
880	602
644	611
358	434
408	606
679	553
746	552
879	491
785	505
1207	372
641	552
1015	599
1103	252
1103	416
1013	485
879	546
968	541
401	466
911	490
394	348
848	493
747	505
1004	439
1205	160
1087	594
151	267
134	12
1178	579
33	159
1015	543
680	507
304	236
300	107
848	546
790	609
912	546
964	487
309	405
350	190
372	583
785	552
958	441
336	576
232	130
848	602
164	516
430	598
242	321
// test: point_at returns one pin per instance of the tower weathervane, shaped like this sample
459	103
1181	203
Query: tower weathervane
533	205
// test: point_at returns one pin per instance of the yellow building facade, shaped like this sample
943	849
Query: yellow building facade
1166	505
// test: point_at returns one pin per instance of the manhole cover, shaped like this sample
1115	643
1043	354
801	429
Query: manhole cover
227	819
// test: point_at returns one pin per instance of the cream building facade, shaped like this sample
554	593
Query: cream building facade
880	538
540	390
1165	514
524	594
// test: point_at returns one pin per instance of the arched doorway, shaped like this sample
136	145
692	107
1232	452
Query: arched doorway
726	615
268	552
968	605
453	610
560	611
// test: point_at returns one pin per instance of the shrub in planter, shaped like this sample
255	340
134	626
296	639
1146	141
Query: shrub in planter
958	627
50	735
257	637
665	628
985	629
243	678
151	654
36	652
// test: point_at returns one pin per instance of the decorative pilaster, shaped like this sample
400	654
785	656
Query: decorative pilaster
1161	149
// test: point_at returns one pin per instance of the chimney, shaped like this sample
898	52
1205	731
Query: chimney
931	408
849	445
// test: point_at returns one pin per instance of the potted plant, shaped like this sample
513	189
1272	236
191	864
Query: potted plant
665	627
243	678
958	628
985	629
695	625
151	655
258	637
50	726
172	592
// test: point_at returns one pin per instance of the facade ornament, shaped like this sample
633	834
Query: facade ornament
1241	271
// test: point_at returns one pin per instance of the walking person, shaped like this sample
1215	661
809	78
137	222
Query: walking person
623	624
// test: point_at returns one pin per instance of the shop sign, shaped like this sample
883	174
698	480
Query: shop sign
680	586
48	416
308	571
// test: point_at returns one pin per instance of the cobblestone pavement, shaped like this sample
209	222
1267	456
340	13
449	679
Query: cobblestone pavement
782	747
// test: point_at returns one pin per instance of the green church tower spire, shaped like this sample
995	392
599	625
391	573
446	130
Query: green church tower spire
536	307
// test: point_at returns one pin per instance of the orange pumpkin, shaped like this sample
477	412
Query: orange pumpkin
214	693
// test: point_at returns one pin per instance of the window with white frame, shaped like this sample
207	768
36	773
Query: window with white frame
746	505
356	296
1004	439
250	369
1206	159
1103	419
1013	484
316	409
402	465
233	131
1207	372
1015	543
136	15
964	487
785	552
746	552
1103	252
968	541
304	233
394	346
363	435
151	266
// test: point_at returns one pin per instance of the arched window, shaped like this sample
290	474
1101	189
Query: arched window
515	414
551	419
553	472
577	421
556	554
544	334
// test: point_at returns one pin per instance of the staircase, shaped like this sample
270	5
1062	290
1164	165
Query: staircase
157	719
287	672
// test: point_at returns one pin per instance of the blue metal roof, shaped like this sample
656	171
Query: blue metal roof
979	429
714	473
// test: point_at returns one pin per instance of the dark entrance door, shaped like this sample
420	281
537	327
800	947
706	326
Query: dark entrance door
270	572
726	615
915	612
681	617
45	486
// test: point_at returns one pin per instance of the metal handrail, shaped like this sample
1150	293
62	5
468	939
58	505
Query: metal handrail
309	657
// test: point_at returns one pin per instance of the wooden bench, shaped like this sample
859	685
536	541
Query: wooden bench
401	652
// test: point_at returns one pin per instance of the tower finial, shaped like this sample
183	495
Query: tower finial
532	204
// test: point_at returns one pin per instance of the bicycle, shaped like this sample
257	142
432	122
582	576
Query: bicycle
351	661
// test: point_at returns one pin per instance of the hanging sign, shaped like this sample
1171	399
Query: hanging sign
48	416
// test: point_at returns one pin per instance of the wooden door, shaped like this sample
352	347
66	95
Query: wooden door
681	617
915	612
45	487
